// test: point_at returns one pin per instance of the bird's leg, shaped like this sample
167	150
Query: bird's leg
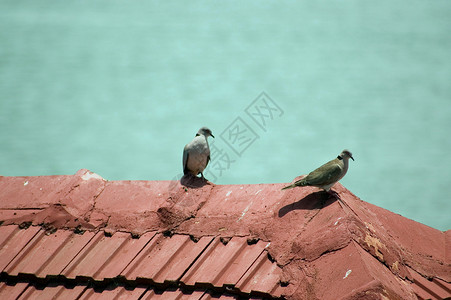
205	179
202	176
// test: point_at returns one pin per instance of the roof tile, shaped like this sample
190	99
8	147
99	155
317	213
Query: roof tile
262	277
12	241
222	297
52	292
8	291
117	251
116	293
165	258
172	295
223	264
37	253
425	288
67	249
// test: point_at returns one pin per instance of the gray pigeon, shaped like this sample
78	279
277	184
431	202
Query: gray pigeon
327	175
196	154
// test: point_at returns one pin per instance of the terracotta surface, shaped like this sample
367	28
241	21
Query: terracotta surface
202	241
165	258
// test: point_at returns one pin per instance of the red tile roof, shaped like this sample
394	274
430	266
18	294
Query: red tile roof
81	237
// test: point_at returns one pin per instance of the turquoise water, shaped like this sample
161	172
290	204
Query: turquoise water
119	88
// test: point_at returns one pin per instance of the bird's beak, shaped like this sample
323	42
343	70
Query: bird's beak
352	157
212	136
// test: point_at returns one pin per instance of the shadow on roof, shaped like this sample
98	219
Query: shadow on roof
316	200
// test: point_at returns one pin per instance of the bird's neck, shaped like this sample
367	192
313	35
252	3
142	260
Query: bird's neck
202	136
345	162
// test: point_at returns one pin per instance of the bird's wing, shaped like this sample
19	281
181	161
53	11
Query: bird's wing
185	158
326	174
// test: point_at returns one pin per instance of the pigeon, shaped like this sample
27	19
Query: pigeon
196	154
327	175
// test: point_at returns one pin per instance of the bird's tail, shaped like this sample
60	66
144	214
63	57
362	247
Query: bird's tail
289	187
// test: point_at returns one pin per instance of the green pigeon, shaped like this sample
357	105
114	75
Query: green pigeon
327	175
